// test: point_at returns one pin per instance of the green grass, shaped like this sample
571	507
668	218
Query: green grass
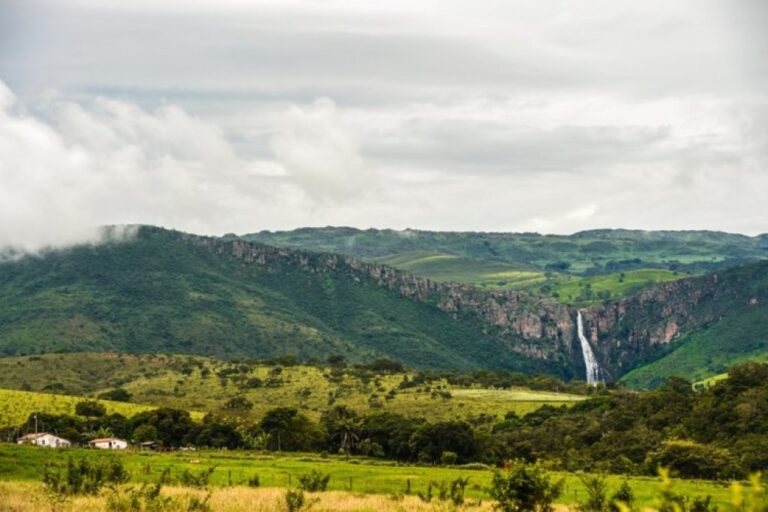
451	268
18	405
22	463
179	382
596	289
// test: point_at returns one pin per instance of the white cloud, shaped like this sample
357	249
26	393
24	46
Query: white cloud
491	115
313	146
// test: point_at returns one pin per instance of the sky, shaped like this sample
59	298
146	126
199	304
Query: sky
237	116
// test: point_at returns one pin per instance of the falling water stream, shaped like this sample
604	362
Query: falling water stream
590	362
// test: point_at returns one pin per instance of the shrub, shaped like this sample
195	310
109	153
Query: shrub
142	499
294	500
524	488
448	457
458	487
254	481
314	481
90	408
238	403
597	496
116	395
84	477
196	480
624	496
692	460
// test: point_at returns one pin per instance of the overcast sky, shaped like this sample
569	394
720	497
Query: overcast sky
236	116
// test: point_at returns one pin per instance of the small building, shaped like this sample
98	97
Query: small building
108	443
45	439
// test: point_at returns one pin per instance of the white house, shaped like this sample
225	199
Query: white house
108	443
45	439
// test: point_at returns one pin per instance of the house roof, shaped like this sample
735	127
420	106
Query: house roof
105	440
34	436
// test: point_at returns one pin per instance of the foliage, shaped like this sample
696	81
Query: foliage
116	395
314	481
294	500
524	488
695	460
90	408
83	476
145	498
623	497
290	430
199	479
597	495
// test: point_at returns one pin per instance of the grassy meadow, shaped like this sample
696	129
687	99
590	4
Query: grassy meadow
584	291
201	384
452	268
21	468
18	405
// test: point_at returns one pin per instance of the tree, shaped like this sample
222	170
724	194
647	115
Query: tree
290	430
238	403
116	395
692	460
524	488
431	440
90	408
145	433
173	426
390	431
342	425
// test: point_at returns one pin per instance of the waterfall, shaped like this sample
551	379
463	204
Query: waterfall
590	362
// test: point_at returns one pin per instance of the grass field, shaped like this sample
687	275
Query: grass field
451	268
200	384
18	405
25	464
583	291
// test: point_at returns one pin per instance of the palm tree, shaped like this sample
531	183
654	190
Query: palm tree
100	433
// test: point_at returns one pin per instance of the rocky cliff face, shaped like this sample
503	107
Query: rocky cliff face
623	333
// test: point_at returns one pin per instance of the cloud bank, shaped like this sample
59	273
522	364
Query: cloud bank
239	116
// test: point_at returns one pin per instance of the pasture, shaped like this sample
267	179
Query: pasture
18	405
23	464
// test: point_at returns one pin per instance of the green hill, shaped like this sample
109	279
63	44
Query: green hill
170	292
739	336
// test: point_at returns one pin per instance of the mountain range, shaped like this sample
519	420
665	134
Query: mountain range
320	292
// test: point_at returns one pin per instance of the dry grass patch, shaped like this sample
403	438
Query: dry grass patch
31	497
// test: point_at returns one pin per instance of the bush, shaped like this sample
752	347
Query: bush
238	403
449	458
692	460
624	496
143	499
84	477
90	408
116	395
196	480
457	490
294	500
597	496
524	488
314	481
